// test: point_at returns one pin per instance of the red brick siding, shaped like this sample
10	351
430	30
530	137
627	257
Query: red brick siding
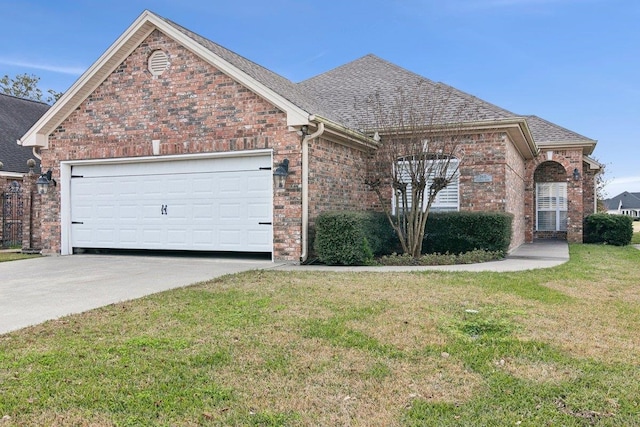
191	108
483	154
588	190
566	160
335	179
515	188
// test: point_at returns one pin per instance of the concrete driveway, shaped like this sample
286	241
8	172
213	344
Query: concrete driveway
39	289
35	290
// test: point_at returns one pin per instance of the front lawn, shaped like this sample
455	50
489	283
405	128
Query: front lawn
635	240
270	348
14	256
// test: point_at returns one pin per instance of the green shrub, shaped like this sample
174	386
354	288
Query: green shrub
460	232
352	238
380	234
606	228
473	257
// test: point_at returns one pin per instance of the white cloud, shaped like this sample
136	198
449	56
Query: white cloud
620	185
75	71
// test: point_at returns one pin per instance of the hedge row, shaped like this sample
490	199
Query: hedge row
460	232
352	238
355	238
606	228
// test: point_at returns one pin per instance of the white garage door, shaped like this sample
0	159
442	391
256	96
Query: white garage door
221	204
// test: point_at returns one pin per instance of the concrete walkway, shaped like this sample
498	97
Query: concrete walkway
39	289
529	256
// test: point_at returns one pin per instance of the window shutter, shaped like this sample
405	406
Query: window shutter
448	199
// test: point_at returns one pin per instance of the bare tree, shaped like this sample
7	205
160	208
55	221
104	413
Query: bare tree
26	86
420	132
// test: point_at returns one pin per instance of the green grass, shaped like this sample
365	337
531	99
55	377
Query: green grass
635	239
271	348
14	256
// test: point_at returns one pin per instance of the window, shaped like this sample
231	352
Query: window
551	206
447	199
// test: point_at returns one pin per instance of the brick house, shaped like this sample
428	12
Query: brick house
170	141
17	115
19	167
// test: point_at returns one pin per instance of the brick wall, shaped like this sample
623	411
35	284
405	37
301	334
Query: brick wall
336	181
557	166
191	108
515	185
588	190
492	179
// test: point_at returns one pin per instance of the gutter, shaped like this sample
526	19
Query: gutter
305	188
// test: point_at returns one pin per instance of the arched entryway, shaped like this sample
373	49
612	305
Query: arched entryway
551	201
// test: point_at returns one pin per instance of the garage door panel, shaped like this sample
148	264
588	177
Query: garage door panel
128	212
259	212
127	236
202	205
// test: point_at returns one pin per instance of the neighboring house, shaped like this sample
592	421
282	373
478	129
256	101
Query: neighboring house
624	204
17	115
170	141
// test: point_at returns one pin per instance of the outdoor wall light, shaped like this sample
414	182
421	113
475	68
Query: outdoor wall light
280	174
304	131
43	182
576	174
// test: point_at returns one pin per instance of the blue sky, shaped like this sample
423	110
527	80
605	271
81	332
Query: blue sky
573	62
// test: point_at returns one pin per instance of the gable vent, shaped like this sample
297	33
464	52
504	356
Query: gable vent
158	63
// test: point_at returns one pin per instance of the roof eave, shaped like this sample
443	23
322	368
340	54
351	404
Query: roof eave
38	134
344	134
516	128
593	164
586	146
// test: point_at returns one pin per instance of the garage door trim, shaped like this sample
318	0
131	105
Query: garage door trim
65	180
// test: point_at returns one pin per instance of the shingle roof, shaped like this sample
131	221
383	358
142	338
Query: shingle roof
344	87
339	88
629	201
268	78
17	115
546	132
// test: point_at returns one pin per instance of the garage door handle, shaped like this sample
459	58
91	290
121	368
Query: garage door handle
77	222
264	223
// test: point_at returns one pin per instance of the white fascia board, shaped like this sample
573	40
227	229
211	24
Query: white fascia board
587	145
593	164
11	174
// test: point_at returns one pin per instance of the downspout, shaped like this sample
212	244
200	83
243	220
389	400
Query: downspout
305	188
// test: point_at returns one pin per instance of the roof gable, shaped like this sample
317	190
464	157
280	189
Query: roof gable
261	81
547	134
17	115
623	200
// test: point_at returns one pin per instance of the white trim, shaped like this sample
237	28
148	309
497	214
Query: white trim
65	181
12	174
